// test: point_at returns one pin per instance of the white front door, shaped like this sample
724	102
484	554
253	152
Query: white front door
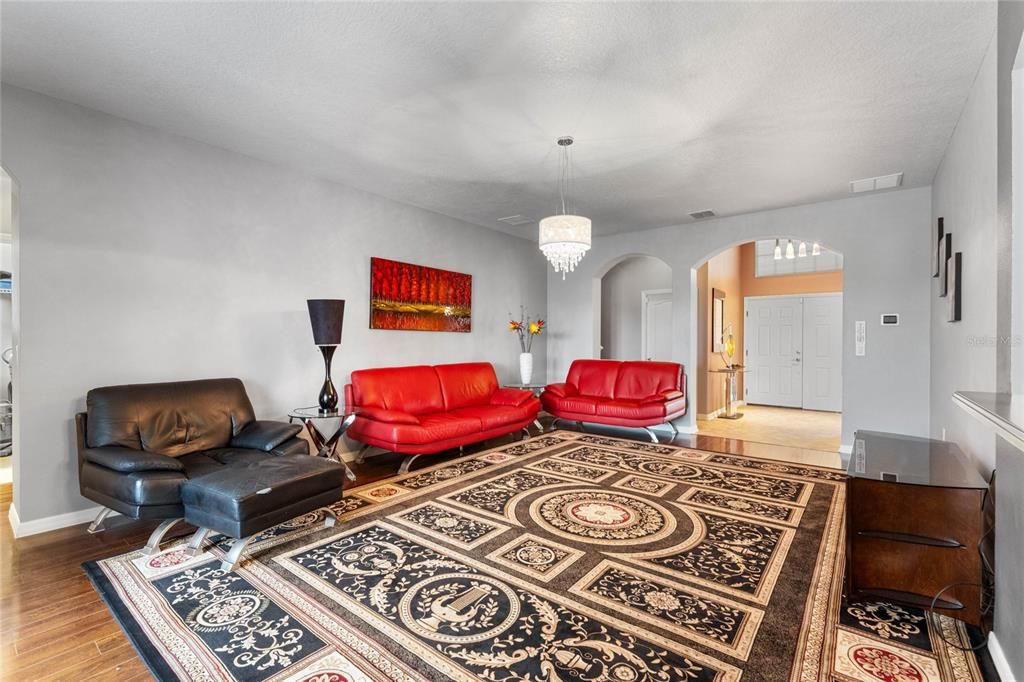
773	344
823	353
656	343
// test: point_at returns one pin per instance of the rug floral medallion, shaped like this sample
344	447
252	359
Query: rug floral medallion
563	557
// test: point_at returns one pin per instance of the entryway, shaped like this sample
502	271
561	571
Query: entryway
769	319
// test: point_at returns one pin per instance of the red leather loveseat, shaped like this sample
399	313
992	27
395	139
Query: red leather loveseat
635	394
425	409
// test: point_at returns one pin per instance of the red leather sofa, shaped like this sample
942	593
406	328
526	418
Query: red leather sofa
425	409
619	393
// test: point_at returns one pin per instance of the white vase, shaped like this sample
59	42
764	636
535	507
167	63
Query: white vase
526	367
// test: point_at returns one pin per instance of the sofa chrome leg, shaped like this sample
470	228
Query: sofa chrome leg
234	557
330	518
554	424
675	431
157	536
195	543
349	474
652	434
97	524
407	462
579	425
540	427
526	433
361	455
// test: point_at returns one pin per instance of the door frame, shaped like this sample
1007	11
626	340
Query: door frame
645	297
819	294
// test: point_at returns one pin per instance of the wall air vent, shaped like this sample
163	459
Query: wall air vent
873	184
700	215
515	220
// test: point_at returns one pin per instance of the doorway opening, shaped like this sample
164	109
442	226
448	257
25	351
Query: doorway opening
8	216
636	310
769	344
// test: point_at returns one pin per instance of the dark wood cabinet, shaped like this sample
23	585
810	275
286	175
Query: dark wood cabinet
914	522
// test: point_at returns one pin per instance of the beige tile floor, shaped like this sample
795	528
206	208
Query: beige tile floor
806	429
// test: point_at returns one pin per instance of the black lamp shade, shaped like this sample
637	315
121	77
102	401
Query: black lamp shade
326	316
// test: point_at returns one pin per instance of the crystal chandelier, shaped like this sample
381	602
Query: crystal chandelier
564	238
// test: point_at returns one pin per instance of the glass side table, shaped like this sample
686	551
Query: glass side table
325	440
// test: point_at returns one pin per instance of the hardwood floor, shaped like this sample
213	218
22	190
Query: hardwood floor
53	625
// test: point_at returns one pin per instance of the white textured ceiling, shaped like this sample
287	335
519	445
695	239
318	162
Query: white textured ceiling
455	107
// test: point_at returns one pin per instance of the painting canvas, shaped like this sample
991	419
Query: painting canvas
937	250
945	254
955	294
417	298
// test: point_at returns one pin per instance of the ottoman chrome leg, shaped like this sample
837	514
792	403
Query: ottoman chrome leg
330	518
97	524
540	427
231	561
153	546
652	434
349	474
195	544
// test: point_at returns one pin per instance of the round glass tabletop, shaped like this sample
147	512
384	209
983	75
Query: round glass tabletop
316	413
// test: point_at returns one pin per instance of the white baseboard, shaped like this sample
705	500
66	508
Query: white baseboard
47	523
846	449
999	659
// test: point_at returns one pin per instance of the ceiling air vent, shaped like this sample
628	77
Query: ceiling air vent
873	184
515	220
700	215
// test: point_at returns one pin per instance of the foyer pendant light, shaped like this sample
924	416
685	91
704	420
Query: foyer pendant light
778	250
564	238
802	251
816	249
790	254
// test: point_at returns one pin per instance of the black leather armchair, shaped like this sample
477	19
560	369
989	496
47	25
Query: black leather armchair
137	444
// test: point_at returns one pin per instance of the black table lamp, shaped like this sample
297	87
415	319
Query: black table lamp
326	316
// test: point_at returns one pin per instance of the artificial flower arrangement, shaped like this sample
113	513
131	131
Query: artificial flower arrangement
526	329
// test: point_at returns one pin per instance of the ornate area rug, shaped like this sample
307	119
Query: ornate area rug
564	557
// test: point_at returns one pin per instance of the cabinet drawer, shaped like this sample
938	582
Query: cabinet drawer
940	513
918	571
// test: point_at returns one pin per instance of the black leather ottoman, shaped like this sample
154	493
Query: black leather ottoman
242	501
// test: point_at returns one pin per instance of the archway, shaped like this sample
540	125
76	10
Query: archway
634	309
780	300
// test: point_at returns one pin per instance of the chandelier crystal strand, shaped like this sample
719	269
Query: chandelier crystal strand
564	238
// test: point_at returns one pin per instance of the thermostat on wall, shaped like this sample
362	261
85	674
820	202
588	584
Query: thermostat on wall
890	319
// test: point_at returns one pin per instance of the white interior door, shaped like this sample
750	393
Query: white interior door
823	353
773	344
656	343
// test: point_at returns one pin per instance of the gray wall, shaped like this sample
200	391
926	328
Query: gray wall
963	354
621	304
883	238
1009	620
149	257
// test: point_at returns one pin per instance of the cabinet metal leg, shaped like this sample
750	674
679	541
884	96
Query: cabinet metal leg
97	524
157	536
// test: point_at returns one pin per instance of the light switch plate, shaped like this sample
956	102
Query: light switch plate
860	335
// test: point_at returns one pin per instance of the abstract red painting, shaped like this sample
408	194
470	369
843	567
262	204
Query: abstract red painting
418	298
